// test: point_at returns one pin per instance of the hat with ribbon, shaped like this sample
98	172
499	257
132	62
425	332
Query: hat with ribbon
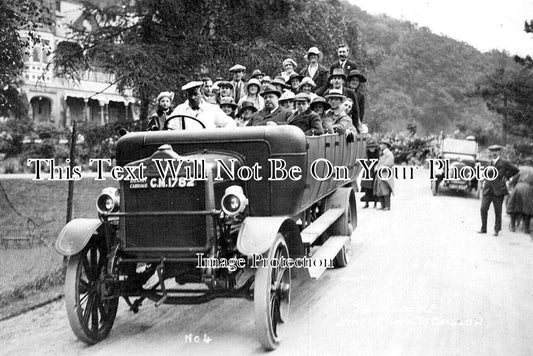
270	89
307	81
228	101
320	101
192	85
358	74
335	93
313	50
290	60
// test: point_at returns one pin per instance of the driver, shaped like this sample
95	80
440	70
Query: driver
195	106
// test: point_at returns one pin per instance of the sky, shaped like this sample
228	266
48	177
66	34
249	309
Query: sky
486	25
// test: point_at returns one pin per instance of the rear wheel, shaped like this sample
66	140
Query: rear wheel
90	314
348	223
272	289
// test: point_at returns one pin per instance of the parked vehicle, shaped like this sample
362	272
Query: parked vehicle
155	229
458	153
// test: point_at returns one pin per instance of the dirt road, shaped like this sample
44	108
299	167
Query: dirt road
421	282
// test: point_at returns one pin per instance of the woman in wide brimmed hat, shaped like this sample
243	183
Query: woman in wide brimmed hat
320	106
294	82
289	67
315	70
157	120
354	80
246	111
252	89
306	86
227	104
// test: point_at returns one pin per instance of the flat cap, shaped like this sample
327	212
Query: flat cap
225	83
335	93
237	67
495	148
302	97
192	85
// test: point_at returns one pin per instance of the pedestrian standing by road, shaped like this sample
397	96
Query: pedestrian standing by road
367	185
383	188
520	201
495	190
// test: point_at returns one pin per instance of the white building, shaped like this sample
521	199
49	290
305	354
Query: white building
57	100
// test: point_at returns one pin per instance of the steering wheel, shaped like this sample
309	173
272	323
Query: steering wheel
173	122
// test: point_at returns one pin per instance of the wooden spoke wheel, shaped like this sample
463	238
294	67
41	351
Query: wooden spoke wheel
90	314
272	289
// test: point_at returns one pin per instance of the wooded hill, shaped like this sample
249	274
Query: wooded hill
414	76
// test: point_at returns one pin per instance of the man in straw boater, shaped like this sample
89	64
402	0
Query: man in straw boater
272	113
208	114
304	118
315	71
495	190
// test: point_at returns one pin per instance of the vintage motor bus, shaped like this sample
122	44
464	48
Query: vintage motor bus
155	228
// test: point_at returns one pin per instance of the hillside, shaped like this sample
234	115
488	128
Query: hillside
423	78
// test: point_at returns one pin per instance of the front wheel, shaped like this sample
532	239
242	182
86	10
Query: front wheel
272	289
90	313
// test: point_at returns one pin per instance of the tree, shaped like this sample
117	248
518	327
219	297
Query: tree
28	16
155	45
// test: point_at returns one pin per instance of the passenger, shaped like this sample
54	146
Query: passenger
383	188
336	119
304	117
265	81
207	91
520	203
348	105
238	82
225	90
294	82
287	100
208	114
252	88
355	79
320	106
343	62
338	79
315	71
257	74
157	120
306	86
272	113
228	106
280	84
289	66
246	112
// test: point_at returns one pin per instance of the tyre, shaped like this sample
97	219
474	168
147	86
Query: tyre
347	224
272	288
91	317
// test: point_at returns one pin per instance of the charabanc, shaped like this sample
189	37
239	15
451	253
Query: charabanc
460	157
176	239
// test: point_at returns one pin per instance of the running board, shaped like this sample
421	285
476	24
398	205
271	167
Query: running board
325	255
317	227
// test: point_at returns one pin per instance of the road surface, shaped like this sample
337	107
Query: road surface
421	282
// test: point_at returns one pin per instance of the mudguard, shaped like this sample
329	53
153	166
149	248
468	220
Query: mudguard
258	233
75	235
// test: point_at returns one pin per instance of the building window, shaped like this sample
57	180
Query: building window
37	50
46	51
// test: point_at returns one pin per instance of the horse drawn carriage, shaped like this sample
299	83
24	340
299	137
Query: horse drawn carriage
156	228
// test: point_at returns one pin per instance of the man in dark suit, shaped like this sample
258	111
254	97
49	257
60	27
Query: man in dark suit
315	71
494	191
272	113
343	62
